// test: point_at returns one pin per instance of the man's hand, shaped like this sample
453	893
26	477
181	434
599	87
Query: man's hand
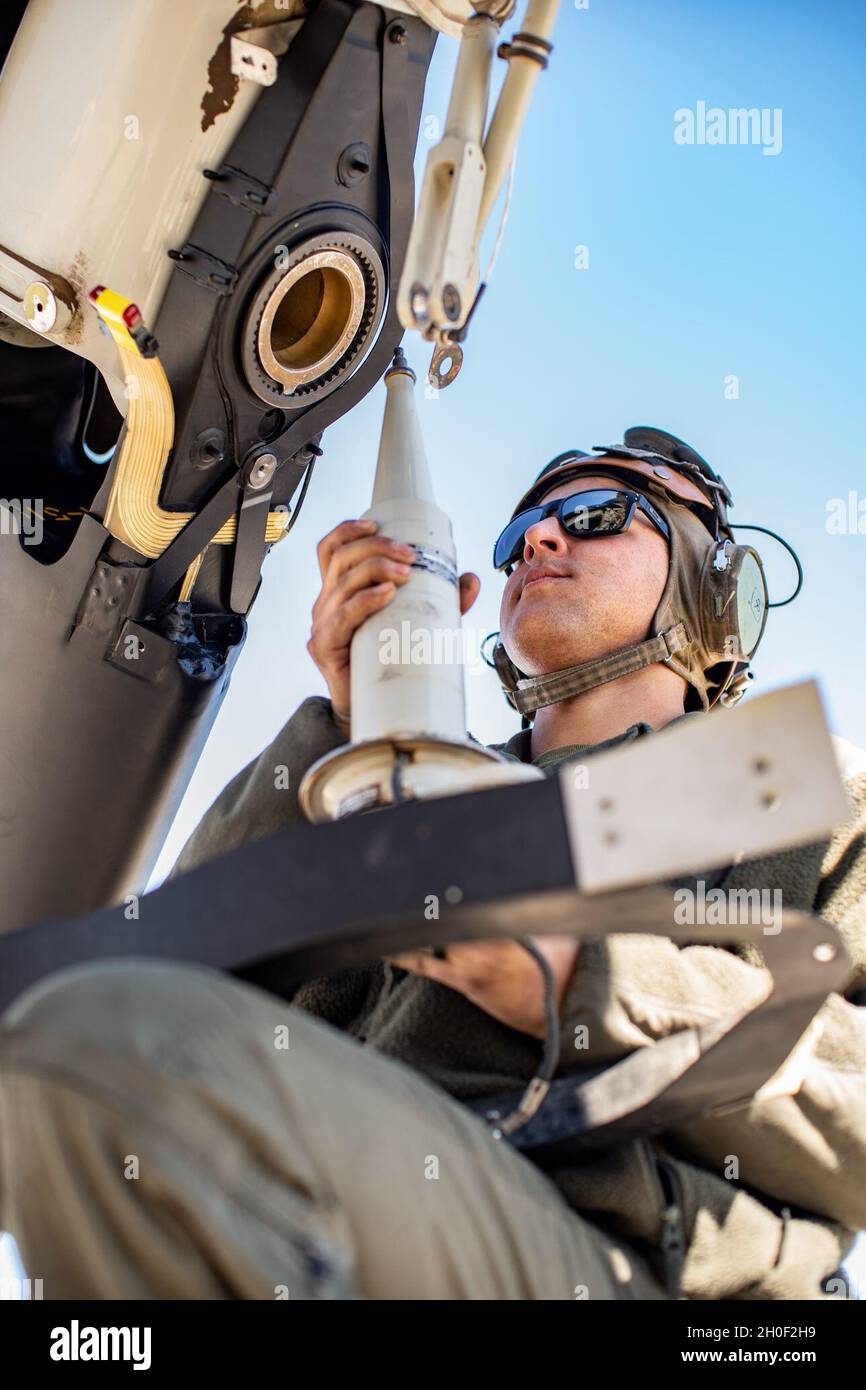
501	977
360	573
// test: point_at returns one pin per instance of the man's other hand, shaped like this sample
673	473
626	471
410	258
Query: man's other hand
500	976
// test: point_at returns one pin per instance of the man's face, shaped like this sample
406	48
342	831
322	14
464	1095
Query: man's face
600	594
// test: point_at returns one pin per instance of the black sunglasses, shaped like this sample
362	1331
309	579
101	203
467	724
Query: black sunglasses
597	512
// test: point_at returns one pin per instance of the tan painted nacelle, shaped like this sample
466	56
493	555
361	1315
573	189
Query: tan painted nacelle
109	112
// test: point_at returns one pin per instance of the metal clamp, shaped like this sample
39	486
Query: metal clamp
240	188
206	269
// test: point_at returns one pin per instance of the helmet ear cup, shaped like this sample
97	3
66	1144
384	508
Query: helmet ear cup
733	602
719	591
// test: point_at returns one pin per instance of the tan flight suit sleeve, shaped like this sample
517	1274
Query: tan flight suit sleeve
259	801
263	797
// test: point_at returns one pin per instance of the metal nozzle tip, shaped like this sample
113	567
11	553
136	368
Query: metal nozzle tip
400	364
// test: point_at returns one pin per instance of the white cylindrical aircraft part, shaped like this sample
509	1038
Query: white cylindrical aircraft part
511	108
407	659
467	109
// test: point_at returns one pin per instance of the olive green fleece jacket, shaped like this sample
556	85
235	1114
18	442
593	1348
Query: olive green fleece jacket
779	1229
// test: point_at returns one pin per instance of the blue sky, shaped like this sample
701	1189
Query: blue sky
706	262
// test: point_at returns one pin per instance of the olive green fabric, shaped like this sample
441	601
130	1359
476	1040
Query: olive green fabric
168	1132
783	1223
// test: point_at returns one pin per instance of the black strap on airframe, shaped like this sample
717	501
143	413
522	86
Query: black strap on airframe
175	560
250	547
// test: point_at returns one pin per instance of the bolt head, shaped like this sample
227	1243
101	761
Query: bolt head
40	307
208	448
261	471
451	302
419	303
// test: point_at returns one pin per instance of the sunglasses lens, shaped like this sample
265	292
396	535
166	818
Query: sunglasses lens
596	513
509	547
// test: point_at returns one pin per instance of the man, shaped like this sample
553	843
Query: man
321	1148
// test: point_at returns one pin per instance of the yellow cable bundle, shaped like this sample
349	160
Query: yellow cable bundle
133	514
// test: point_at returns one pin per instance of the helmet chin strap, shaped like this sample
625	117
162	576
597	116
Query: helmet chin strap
530	693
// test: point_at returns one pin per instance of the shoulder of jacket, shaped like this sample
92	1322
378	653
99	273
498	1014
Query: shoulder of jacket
501	748
316	702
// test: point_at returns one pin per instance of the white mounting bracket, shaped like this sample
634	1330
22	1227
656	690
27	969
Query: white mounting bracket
255	51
